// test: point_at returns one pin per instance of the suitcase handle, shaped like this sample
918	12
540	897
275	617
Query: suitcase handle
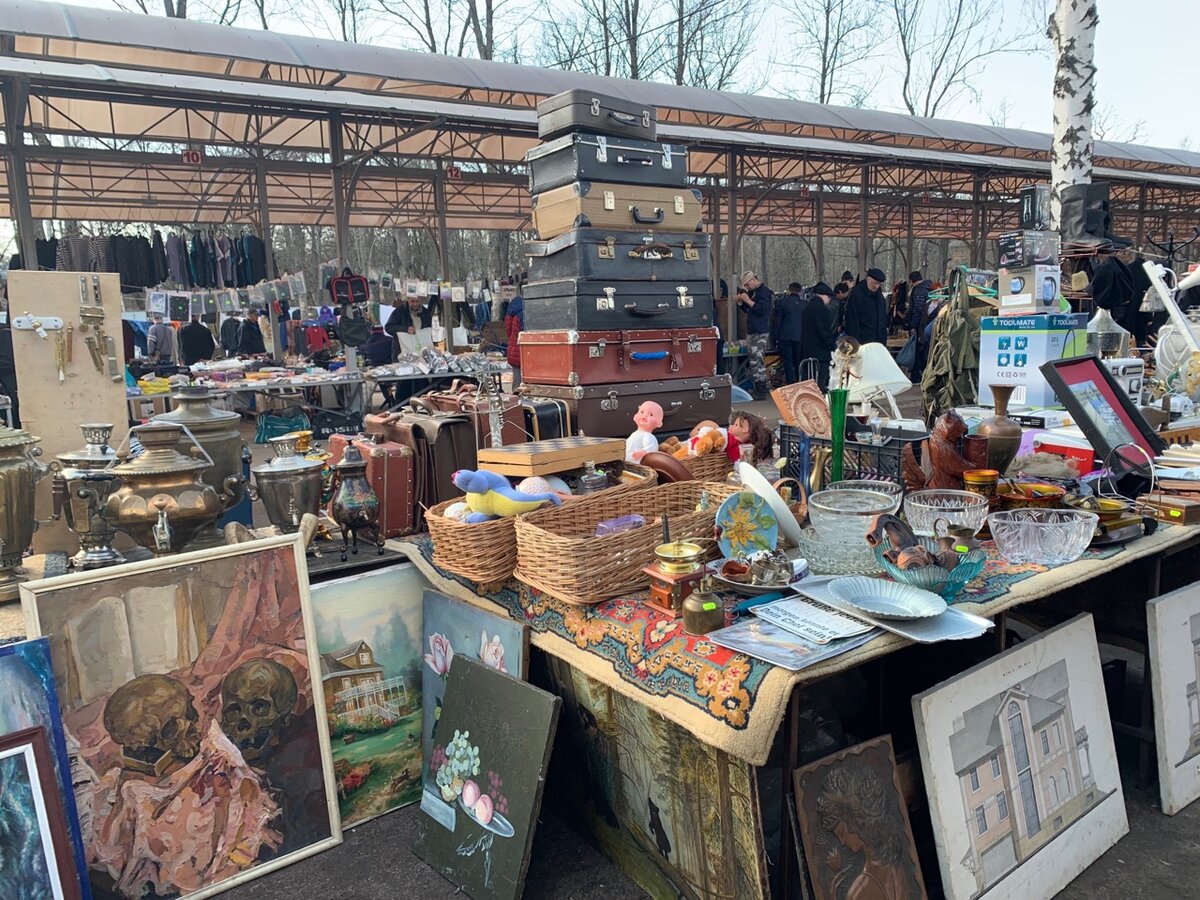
676	405
641	354
652	251
633	159
655	219
634	310
623	118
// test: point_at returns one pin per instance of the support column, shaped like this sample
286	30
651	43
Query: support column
264	224
341	216
978	223
820	237
762	259
439	202
1141	218
730	330
15	96
864	210
910	247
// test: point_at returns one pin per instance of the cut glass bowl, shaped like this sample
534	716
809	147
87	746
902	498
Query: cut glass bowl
922	509
1046	537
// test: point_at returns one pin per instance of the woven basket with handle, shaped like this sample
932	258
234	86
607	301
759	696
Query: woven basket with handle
558	552
709	467
486	552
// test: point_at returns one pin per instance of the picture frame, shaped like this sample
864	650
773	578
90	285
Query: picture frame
156	302
1104	413
213	682
29	785
1020	768
1173	627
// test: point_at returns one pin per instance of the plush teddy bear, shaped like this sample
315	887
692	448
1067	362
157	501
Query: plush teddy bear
709	439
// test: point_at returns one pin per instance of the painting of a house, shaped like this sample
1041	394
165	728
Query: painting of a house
1193	692
1174	627
359	688
1023	771
1020	768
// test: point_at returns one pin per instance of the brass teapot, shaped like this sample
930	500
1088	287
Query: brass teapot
81	487
20	472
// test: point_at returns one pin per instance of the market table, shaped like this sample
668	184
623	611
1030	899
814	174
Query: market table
635	685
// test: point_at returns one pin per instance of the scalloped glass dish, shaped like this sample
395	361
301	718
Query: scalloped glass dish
923	508
846	515
945	583
837	557
889	488
887	599
1045	537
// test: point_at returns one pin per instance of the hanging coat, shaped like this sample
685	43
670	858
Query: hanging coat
952	373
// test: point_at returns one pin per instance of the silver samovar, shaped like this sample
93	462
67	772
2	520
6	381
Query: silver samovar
19	474
81	487
288	484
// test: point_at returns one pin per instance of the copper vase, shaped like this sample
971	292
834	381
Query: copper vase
1003	434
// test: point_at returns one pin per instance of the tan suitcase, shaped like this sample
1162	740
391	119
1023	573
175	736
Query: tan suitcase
595	204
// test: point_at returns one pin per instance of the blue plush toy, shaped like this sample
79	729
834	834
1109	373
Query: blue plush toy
490	496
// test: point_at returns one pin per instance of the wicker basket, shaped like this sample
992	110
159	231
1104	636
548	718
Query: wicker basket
486	552
558	553
709	467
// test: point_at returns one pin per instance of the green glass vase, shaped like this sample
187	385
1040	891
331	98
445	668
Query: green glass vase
838	398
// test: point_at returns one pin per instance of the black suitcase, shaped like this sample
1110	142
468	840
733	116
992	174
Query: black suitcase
579	110
546	419
585	304
606	410
593	157
620	256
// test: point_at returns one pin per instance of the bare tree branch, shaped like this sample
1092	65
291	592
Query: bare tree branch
831	39
1109	125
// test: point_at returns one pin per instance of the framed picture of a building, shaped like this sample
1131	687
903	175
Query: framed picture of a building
1020	768
1173	622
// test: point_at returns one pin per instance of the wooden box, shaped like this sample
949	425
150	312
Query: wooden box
550	457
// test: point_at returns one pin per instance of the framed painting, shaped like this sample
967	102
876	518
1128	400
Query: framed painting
854	827
369	637
1020	768
454	629
189	697
1173	622
27	686
490	775
37	860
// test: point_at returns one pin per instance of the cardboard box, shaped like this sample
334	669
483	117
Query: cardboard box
1034	214
1031	290
141	409
1027	248
1011	348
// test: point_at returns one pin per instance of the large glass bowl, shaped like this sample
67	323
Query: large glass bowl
890	488
922	509
834	557
1047	537
846	515
945	582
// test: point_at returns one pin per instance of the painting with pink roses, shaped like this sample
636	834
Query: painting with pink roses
454	629
369	636
478	828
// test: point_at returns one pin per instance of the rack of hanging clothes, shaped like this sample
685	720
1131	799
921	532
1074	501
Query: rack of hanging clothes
137	255
215	257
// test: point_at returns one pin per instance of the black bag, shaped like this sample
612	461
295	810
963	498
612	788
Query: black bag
620	256
592	157
546	419
606	305
606	410
580	110
349	288
326	422
352	328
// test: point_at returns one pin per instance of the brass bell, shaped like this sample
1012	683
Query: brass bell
703	610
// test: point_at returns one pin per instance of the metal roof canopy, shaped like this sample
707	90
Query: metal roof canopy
319	132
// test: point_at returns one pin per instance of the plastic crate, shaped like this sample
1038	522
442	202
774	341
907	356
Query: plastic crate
881	461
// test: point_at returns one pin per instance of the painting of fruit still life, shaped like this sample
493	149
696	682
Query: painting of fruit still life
190	698
369	636
489	766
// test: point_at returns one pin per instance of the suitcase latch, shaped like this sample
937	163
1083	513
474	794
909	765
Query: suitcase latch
607	301
706	391
690	253
611	403
666	163
596	350
679	204
607	250
646	119
685	299
601	149
595	106
610	201
693	345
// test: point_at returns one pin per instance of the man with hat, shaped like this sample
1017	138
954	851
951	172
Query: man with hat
817	341
250	339
866	314
755	298
160	342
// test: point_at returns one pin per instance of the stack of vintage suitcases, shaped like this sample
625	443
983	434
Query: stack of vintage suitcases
619	301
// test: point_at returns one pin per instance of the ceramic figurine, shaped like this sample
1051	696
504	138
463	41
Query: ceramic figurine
948	464
490	496
648	418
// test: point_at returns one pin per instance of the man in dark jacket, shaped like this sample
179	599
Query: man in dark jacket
755	298
918	317
786	330
409	317
1112	286
816	331
250	338
837	307
231	334
866	315
196	342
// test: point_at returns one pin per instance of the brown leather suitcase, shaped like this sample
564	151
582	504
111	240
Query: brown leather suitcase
586	110
604	357
599	204
391	472
624	256
606	410
466	399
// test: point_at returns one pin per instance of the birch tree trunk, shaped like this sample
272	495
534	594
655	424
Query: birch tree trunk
1072	28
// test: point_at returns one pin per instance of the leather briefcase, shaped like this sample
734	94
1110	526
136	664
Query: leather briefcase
582	110
583	304
597	204
620	256
604	357
466	399
596	157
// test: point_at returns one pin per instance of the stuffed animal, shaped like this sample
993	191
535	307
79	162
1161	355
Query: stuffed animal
709	439
490	496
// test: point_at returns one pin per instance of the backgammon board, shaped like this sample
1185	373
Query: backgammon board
550	457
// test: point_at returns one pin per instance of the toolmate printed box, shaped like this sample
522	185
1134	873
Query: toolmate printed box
1030	290
1011	348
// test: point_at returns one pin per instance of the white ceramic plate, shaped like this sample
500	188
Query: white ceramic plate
754	481
887	599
